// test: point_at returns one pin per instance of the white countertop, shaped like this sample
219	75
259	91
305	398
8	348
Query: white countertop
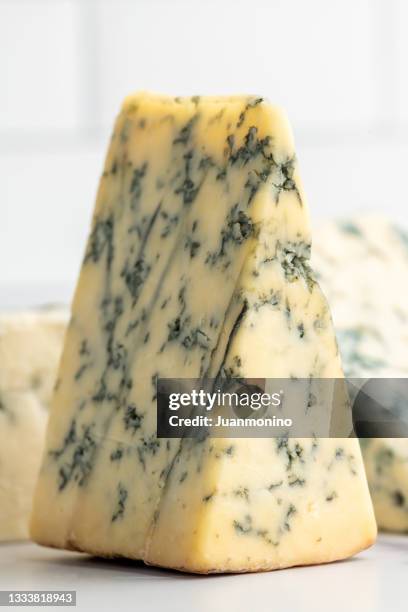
373	581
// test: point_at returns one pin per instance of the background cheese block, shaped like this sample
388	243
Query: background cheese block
30	348
22	429
362	265
197	264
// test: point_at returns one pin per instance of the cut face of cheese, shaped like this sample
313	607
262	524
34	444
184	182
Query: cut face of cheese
196	265
30	347
361	264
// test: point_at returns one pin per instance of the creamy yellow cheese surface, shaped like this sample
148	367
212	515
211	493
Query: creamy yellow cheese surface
196	265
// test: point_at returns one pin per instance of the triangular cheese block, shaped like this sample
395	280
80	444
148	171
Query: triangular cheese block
197	264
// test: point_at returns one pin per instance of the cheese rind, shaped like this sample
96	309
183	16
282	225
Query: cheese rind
196	265
30	347
361	263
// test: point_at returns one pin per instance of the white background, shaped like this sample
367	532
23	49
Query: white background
340	67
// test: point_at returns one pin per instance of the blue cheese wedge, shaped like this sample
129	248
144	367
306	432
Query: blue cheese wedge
361	265
30	348
196	265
